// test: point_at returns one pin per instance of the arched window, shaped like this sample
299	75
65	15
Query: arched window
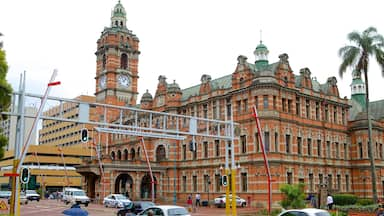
138	152
113	155
118	155
124	61
121	23
160	153
125	154
116	23
104	61
132	154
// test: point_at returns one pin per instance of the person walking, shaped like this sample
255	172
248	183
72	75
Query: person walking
329	201
189	202
197	202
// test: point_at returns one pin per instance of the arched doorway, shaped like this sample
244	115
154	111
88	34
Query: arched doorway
146	187
124	185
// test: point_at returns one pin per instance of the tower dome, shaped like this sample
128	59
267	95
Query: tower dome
147	97
118	18
261	55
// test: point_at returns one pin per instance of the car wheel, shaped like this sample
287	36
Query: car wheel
38	200
243	205
86	204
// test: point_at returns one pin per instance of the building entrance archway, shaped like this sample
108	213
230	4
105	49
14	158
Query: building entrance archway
146	187
124	185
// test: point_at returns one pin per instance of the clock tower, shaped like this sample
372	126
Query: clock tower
117	62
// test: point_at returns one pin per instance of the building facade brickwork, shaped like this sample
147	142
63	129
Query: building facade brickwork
311	134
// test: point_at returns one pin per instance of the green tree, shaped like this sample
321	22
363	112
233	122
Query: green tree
293	196
5	94
356	56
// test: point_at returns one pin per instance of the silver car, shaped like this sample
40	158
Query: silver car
305	212
116	201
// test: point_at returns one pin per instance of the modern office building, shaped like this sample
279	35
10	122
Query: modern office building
64	133
311	134
8	127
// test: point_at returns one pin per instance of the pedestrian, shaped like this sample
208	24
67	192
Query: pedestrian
189	202
197	202
313	201
329	201
380	212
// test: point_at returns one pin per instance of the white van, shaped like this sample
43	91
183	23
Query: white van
75	196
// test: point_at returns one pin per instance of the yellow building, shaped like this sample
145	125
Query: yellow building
51	167
60	148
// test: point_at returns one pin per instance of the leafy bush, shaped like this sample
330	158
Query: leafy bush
293	196
344	199
358	208
263	212
364	201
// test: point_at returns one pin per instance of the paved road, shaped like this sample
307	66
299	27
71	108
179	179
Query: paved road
55	208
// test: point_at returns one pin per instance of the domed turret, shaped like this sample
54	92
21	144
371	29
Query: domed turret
174	88
147	97
358	88
118	18
261	55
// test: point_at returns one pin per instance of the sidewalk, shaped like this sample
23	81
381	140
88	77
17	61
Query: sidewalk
214	211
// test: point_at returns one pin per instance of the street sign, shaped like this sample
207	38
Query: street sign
3	205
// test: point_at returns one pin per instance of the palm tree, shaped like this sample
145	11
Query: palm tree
366	44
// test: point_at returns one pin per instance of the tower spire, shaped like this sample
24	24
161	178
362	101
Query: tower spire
118	17
261	54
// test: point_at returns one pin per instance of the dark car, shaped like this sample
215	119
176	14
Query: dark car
134	207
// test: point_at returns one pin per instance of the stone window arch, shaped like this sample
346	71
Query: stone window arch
124	61
125	154
113	155
118	155
160	153
104	61
133	154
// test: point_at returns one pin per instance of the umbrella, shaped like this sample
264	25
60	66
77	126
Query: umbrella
75	212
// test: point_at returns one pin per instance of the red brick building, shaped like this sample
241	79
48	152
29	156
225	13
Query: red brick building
311	135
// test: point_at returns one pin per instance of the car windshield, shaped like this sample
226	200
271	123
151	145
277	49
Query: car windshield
145	205
31	192
177	211
120	197
78	193
5	192
322	214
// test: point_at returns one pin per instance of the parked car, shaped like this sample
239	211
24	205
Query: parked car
220	201
32	195
23	199
166	210
5	194
75	196
305	212
116	201
135	207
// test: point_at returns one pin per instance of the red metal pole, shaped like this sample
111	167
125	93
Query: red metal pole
266	165
150	169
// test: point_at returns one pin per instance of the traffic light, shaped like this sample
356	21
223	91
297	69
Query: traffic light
84	135
24	175
224	180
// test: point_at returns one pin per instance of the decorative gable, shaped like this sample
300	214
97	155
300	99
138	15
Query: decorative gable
205	86
305	80
243	75
284	73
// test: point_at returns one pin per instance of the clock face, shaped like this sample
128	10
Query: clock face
103	82
123	80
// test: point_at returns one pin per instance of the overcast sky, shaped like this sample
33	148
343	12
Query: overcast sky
181	39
